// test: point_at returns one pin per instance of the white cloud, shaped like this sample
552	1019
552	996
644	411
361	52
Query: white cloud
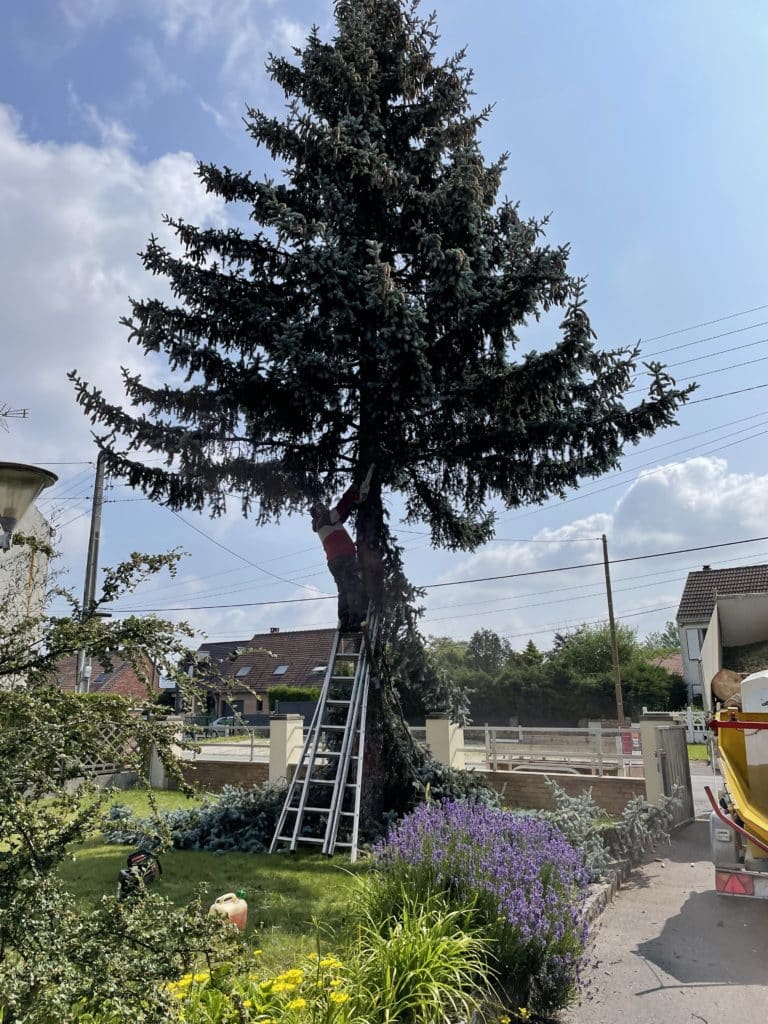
74	217
681	505
110	131
240	31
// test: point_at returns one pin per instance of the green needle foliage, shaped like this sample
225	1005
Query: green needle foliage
375	312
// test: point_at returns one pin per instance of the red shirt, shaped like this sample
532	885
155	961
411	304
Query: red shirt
335	539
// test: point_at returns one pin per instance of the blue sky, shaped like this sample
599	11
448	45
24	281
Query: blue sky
639	127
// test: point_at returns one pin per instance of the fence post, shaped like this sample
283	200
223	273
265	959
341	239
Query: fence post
445	741
286	734
158	776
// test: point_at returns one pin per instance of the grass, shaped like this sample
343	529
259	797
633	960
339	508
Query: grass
697	751
284	891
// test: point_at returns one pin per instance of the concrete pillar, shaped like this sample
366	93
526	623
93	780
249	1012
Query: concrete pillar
286	738
445	740
158	776
654	785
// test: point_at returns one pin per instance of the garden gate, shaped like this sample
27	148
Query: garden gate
675	771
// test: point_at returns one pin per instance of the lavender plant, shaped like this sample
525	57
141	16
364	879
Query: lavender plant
519	883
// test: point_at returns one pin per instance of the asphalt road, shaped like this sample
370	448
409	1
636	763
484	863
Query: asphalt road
670	950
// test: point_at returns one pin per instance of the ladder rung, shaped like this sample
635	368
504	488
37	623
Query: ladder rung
333	728
339	703
342	679
319	810
309	839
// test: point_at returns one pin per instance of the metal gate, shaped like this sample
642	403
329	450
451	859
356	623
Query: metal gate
675	770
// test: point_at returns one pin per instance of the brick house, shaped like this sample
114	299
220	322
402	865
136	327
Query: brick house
244	671
700	596
121	679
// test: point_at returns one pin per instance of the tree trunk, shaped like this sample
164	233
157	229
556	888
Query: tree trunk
391	756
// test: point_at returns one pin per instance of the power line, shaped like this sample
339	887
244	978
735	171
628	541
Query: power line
237	554
589	493
726	394
588	622
706	323
456	583
701	341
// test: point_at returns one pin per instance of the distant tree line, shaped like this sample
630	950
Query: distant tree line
569	683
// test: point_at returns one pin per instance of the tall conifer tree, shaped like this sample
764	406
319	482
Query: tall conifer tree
373	315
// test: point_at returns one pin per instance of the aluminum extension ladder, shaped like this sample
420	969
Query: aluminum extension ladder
336	736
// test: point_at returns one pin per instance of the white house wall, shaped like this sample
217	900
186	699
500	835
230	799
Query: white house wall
711	657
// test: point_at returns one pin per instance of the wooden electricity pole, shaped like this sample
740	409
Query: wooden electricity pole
91	566
614	643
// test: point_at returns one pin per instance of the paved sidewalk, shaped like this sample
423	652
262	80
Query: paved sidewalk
670	950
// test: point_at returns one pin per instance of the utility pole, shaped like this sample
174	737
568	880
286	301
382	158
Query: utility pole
89	587
614	643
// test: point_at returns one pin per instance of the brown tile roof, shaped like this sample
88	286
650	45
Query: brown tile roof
121	679
701	588
671	662
301	651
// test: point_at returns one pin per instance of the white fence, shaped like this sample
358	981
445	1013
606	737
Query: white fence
596	750
695	723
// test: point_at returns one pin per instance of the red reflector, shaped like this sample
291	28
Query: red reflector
735	882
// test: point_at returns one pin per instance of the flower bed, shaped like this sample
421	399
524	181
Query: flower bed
517	880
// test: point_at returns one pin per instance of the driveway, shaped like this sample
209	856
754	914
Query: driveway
670	950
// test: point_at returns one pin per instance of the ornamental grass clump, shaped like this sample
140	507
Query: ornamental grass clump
517	881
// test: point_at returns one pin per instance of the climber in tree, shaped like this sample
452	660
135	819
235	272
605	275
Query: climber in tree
341	553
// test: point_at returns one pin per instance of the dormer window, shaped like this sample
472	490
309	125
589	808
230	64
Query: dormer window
243	671
280	670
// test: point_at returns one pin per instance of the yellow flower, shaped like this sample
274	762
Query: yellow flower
179	993
201	976
339	997
297	1004
313	956
266	986
335	982
504	1020
247	1003
284	986
331	961
524	1014
258	952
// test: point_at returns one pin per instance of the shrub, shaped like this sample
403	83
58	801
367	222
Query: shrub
420	967
291	693
516	879
235	819
585	826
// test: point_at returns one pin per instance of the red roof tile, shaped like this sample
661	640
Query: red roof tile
702	587
120	679
300	651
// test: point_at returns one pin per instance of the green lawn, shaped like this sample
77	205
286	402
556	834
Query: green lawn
697	751
284	891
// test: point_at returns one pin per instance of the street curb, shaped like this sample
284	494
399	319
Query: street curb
601	893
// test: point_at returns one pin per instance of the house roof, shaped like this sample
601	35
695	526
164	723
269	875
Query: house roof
671	662
278	659
121	679
703	586
220	653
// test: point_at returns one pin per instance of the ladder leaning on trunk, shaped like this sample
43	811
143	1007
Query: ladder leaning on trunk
322	805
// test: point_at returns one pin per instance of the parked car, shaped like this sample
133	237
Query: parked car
222	726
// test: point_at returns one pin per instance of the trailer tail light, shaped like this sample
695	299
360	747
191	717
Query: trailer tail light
735	883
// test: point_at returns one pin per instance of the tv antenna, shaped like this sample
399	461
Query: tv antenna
7	413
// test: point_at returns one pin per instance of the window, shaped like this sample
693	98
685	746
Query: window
694	639
318	669
280	670
243	671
